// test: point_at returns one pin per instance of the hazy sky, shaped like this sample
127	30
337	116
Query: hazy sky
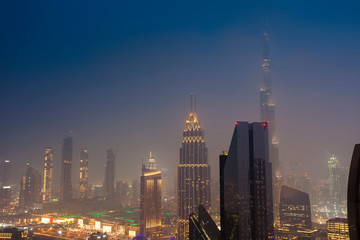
119	75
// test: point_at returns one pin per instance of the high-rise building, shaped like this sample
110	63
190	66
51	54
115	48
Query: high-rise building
338	229
295	209
5	172
109	182
30	189
150	198
202	226
48	174
353	196
193	172
267	114
66	170
84	173
5	196
135	194
246	179
122	191
334	184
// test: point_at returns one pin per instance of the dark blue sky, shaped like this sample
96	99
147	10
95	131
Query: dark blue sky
119	75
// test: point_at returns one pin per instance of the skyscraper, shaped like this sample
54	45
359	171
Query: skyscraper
267	114
5	172
30	188
334	185
48	174
338	229
150	198
109	182
66	170
202	226
84	172
193	172
247	185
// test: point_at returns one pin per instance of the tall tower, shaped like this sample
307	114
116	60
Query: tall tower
109	182
193	172
5	172
30	188
48	174
150	198
334	183
84	172
246	185
66	169
267	114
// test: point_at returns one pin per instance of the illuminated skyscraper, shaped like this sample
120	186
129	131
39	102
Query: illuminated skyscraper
30	188
267	114
66	170
193	173
337	229
5	172
48	174
84	172
150	198
246	182
335	203
109	182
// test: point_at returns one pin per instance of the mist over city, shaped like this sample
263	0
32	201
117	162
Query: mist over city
179	120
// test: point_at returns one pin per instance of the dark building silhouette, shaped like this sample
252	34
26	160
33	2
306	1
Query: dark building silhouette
30	189
84	173
295	209
66	170
354	195
222	160
150	198
109	182
5	173
48	174
202	226
193	172
247	185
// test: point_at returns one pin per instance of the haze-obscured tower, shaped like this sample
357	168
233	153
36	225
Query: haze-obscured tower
66	169
84	173
5	172
109	182
30	189
150	198
335	203
267	114
246	181
193	172
48	174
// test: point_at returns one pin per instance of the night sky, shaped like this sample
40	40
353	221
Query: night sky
119	75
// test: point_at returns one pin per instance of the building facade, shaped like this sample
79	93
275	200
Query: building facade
5	173
84	173
246	182
193	174
66	170
109	182
48	174
353	197
334	184
150	198
338	229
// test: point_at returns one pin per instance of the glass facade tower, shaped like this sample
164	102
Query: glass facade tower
66	169
84	173
48	174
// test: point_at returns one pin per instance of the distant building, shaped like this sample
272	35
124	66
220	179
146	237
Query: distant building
246	179
334	183
84	173
135	194
15	233
48	174
202	226
109	182
150	198
5	196
193	172
66	170
338	229
122	192
30	189
5	173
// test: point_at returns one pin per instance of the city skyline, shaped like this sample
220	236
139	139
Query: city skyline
309	99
